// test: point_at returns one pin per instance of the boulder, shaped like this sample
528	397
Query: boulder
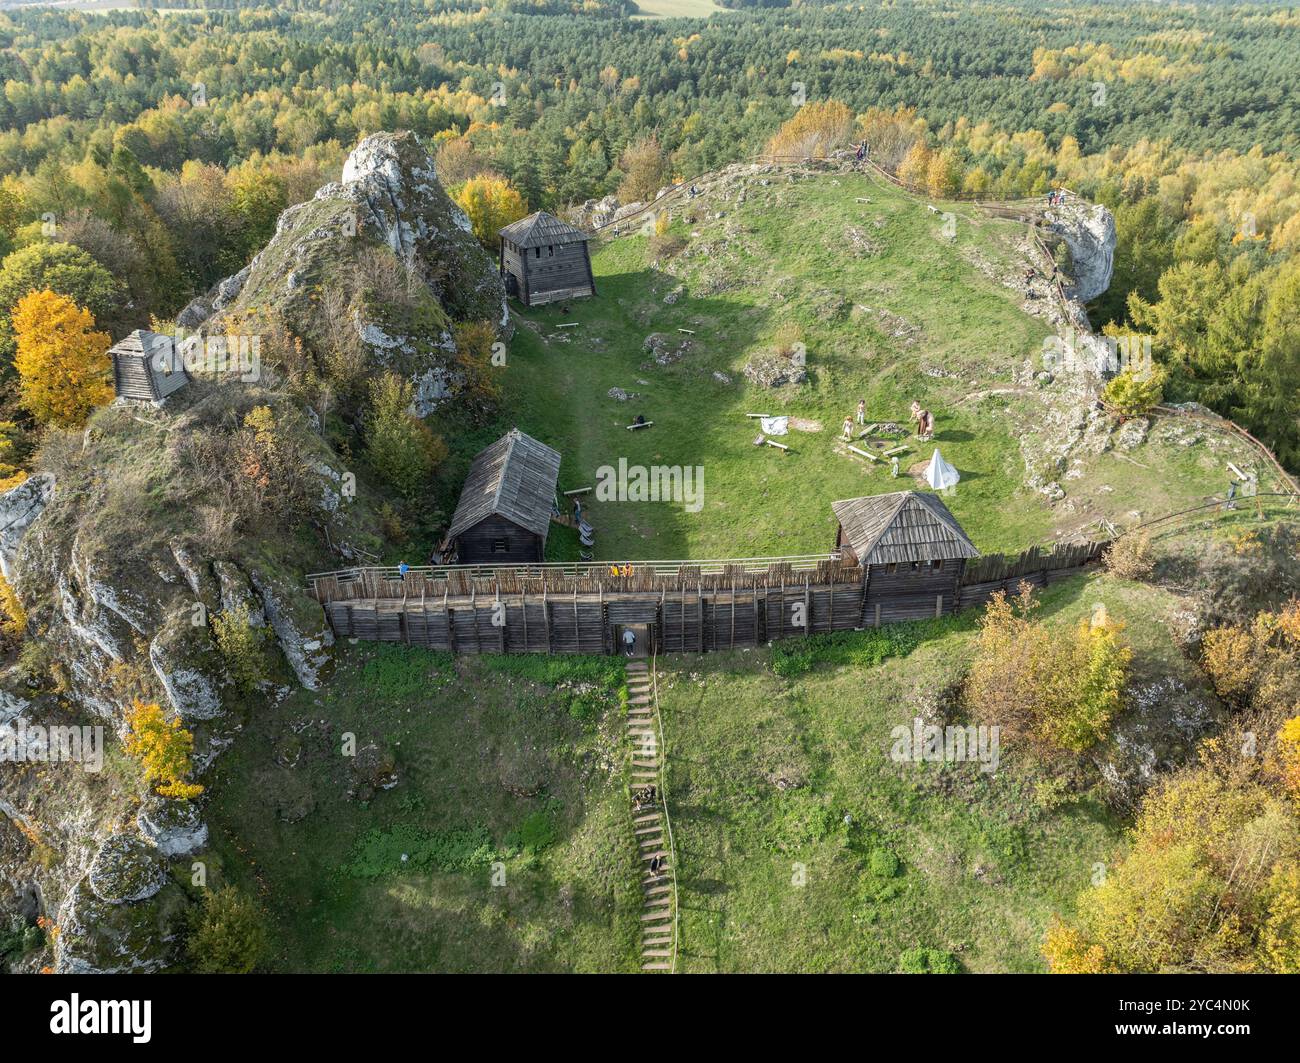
1088	229
771	370
19	507
173	828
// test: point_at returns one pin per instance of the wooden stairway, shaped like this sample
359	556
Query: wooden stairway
649	825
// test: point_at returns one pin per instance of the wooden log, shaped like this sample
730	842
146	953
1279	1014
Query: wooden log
773	443
643	424
863	453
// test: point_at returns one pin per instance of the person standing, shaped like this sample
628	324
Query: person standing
862	411
848	428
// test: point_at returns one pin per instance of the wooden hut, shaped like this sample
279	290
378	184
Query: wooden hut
544	260
147	367
505	507
913	549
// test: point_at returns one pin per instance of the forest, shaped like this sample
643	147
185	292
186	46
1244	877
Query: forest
149	153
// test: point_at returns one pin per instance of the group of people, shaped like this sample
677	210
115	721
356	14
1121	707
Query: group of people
1055	198
644	797
924	421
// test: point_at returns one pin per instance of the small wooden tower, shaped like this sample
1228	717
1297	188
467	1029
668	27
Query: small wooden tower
913	549
147	367
505	507
544	260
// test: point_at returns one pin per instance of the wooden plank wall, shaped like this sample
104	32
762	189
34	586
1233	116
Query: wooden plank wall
691	620
718	612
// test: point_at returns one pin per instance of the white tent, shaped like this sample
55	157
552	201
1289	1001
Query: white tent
939	474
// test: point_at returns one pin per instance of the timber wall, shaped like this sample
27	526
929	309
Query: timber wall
579	609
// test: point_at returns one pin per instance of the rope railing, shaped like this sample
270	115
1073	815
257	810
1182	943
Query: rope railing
663	800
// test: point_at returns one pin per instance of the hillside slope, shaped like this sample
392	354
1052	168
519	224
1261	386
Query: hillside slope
133	537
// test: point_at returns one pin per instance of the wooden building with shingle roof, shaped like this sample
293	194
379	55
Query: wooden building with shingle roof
544	260
147	367
913	549
505	507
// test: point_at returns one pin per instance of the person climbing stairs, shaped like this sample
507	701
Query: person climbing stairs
650	824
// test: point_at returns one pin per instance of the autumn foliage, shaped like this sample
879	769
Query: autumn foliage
491	203
1058	688
62	362
164	749
815	131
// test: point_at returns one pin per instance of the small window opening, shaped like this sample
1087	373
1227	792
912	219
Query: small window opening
501	546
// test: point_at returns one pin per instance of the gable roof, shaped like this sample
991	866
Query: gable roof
515	478
903	526
542	228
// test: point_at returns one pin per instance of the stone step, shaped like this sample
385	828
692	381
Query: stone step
648	856
652	817
656	967
655	952
656	917
650	843
653	890
652	764
649	830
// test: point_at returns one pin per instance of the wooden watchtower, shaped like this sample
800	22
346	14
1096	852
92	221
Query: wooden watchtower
544	260
147	367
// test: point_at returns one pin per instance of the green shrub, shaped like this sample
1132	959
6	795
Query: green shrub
381	852
229	934
242	646
1133	393
398	672
538	831
921	960
862	649
883	863
400	446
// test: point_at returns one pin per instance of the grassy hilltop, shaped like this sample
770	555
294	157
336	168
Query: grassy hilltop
801	845
889	310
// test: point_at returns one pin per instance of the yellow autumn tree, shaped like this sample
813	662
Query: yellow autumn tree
491	203
1288	756
62	362
815	131
10	474
13	617
163	748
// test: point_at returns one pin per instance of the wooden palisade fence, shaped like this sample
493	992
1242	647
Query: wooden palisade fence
686	607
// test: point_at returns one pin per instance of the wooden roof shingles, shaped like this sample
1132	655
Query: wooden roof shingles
143	343
515	478
901	527
541	229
